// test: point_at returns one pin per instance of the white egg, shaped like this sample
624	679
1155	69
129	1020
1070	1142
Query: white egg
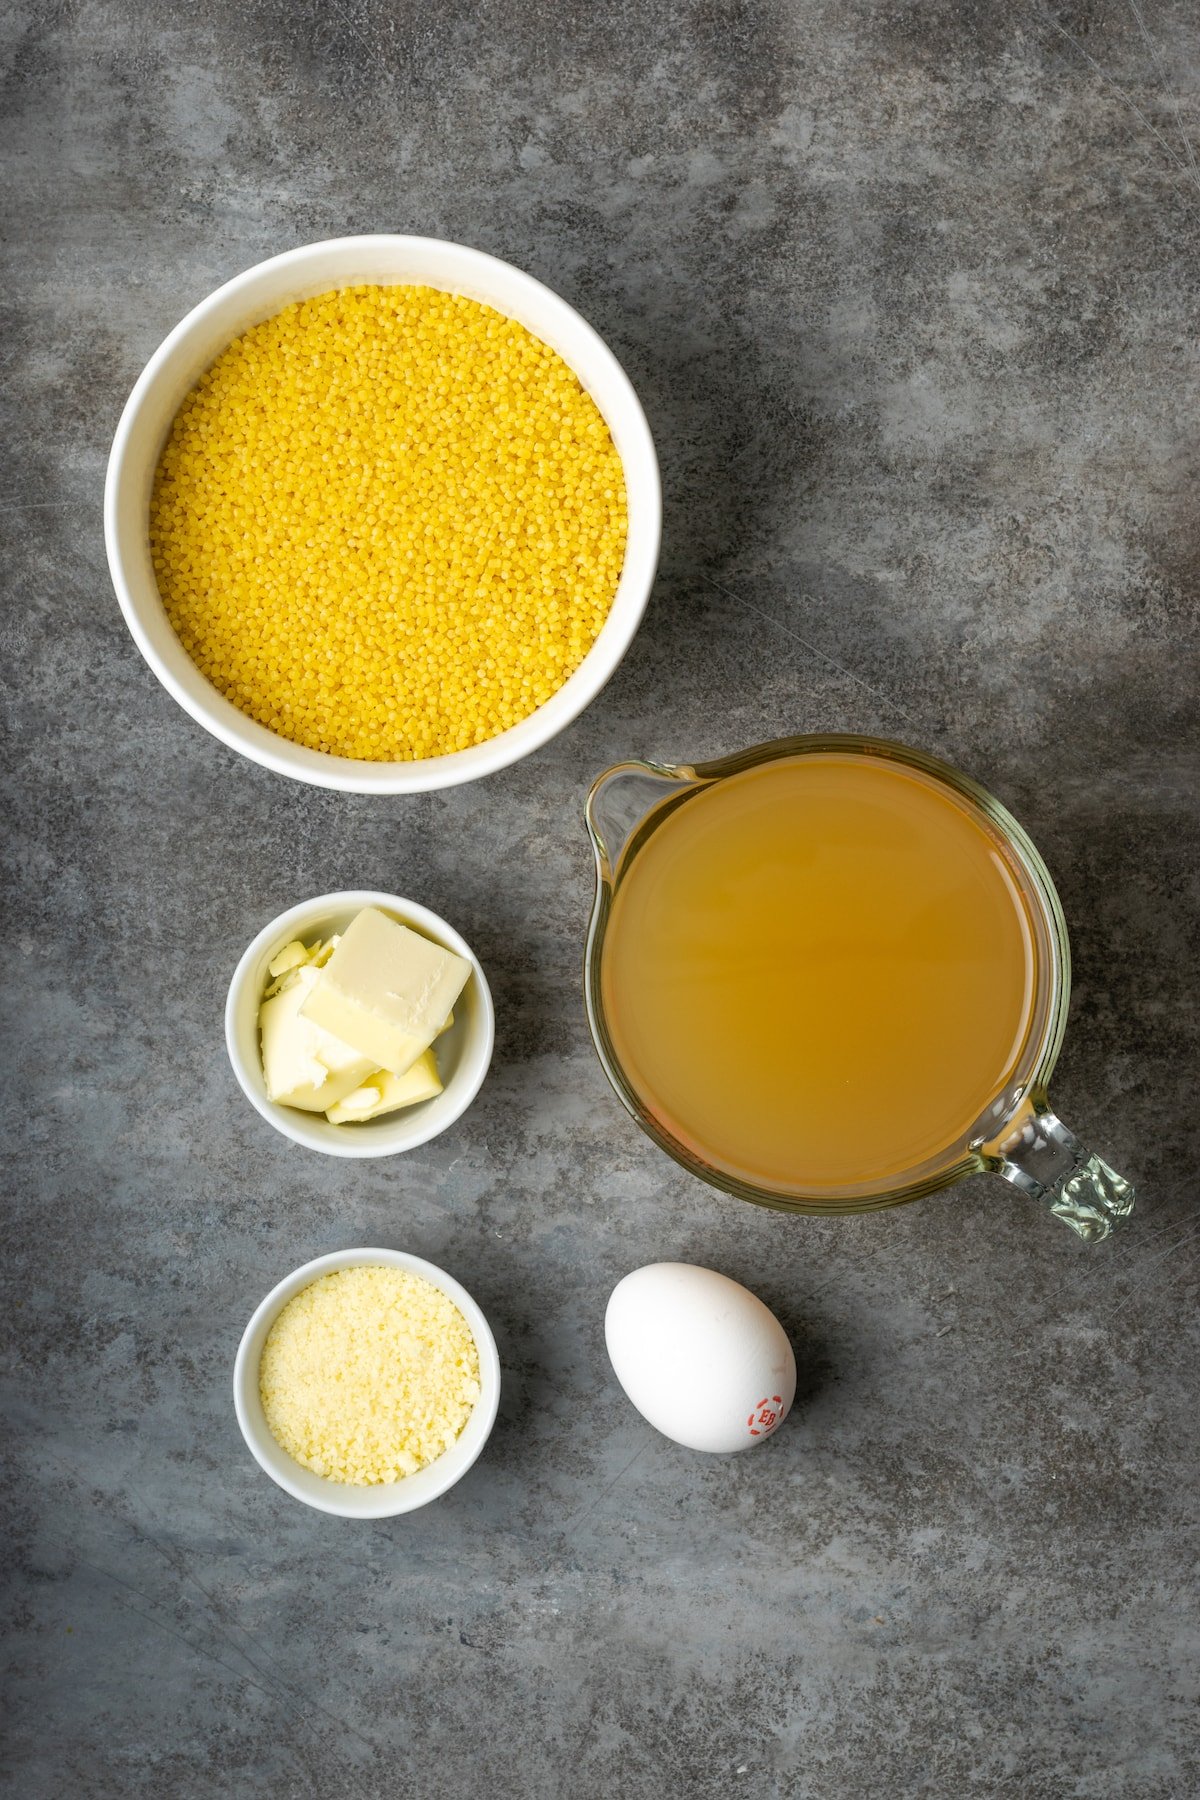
700	1356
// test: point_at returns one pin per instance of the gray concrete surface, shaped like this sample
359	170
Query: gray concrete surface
910	294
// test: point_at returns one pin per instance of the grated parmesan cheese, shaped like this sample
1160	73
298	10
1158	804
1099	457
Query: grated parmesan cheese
368	1374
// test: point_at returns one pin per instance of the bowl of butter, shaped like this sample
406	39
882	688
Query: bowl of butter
359	1024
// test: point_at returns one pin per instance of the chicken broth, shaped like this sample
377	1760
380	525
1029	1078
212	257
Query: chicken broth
819	973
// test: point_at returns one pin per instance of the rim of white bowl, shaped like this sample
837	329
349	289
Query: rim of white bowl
219	716
390	1137
392	1498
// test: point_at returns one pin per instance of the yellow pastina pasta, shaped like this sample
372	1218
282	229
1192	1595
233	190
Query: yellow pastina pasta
388	523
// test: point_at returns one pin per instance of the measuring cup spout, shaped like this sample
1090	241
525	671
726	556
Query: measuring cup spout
621	799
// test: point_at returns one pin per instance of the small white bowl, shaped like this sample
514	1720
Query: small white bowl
256	295
340	1497
463	1052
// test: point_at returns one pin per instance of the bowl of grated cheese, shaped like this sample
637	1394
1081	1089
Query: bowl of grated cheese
383	513
367	1383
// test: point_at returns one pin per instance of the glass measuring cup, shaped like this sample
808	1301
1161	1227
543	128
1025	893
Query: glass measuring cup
1016	1134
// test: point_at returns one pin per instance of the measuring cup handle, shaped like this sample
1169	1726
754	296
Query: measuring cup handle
1048	1162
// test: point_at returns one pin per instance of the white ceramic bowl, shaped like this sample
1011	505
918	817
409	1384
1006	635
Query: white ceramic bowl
262	291
338	1496
463	1052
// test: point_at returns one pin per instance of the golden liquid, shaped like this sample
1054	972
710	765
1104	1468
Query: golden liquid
820	972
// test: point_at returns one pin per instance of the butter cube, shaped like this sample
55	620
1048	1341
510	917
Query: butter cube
386	1093
295	956
386	990
290	957
304	1065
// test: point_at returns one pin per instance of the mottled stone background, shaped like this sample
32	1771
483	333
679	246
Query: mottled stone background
910	295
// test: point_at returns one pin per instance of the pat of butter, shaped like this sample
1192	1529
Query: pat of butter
386	990
386	1093
290	957
294	956
304	1065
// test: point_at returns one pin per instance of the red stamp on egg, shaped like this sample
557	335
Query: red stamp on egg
767	1414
